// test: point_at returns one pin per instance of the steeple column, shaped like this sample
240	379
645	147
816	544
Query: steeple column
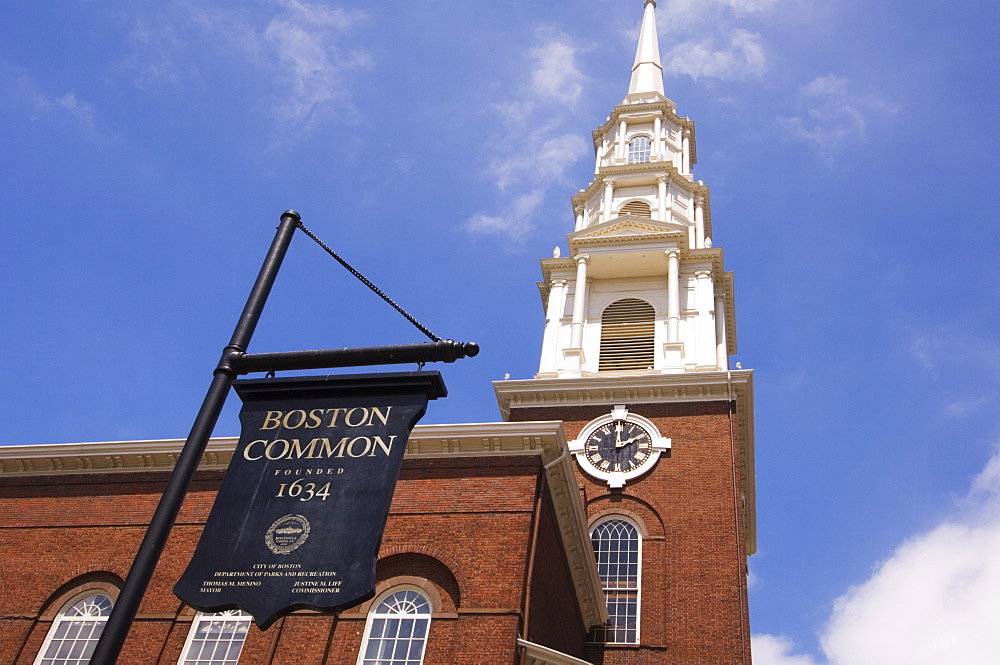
673	296
662	181
686	151
658	137
609	195
553	317
578	209
721	352
699	222
579	302
622	128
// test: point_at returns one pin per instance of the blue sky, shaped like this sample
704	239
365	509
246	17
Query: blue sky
149	149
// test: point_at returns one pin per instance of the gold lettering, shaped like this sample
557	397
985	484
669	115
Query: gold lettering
380	442
364	417
339	448
314	419
301	416
384	417
272	420
308	452
284	451
246	451
333	418
350	446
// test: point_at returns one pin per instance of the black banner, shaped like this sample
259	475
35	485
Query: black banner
299	517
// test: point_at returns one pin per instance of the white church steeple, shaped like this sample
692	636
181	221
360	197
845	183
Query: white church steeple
642	290
647	74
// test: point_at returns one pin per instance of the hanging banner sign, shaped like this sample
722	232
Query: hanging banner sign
300	513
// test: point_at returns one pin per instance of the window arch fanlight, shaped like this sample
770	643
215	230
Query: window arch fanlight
75	631
627	330
618	549
396	630
216	638
638	150
637	209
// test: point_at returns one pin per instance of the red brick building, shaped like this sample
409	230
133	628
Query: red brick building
607	519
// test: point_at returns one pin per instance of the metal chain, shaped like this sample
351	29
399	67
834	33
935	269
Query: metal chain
367	282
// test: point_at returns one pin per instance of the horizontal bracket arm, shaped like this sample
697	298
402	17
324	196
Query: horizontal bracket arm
442	351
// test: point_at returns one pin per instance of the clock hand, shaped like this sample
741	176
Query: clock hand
622	444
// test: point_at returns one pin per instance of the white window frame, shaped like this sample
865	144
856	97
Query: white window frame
65	618
374	615
638	578
208	619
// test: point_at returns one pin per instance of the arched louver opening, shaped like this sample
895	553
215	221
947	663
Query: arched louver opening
627	328
636	208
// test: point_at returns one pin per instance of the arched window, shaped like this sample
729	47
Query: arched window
396	630
638	150
618	549
216	639
636	208
74	634
627	328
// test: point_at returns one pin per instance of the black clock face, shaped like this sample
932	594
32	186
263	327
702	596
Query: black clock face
618	446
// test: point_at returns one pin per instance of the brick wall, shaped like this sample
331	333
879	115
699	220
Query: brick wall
693	604
461	528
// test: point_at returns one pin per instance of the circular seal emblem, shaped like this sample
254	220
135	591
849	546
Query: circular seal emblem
287	534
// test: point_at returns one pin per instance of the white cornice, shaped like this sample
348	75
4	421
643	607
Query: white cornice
536	654
545	439
610	388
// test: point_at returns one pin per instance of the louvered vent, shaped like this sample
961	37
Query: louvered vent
637	208
627	335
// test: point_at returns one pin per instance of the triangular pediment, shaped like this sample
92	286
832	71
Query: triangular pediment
627	225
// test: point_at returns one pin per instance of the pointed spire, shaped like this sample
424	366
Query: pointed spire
647	74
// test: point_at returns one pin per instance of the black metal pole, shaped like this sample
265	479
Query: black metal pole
124	611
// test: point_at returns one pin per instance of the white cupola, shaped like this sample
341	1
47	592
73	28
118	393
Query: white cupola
642	290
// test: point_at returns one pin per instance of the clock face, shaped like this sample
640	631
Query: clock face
619	446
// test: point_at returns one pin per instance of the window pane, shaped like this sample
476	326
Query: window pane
638	150
216	639
397	630
616	546
75	632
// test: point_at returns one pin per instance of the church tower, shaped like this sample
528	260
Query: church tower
639	327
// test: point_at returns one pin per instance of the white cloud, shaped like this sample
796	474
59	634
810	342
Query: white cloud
742	56
702	15
964	407
18	86
311	63
556	75
832	114
295	52
80	111
935	600
514	222
776	650
534	154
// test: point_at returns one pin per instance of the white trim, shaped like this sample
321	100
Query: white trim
536	654
62	618
372	615
209	618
